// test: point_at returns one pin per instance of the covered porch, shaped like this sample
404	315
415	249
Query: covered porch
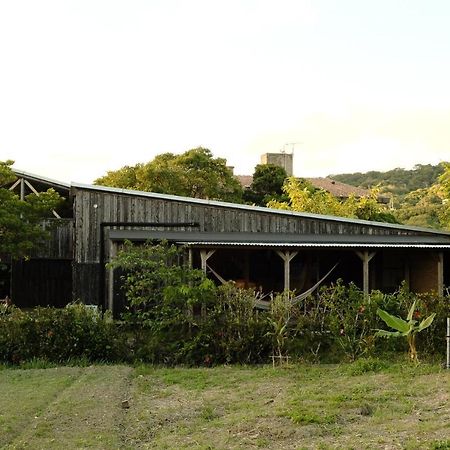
270	262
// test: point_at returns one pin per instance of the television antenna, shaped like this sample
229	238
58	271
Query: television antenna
292	145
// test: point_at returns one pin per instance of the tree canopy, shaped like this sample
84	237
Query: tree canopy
267	184
302	196
194	173
20	220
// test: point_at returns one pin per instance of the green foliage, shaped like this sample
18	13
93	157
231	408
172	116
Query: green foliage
20	220
444	181
279	319
58	335
163	293
397	181
194	173
407	328
267	184
421	196
235	332
340	322
423	207
366	365
303	197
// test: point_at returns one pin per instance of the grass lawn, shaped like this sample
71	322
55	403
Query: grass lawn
362	405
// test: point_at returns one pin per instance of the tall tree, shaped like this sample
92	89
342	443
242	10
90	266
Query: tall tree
267	184
20	220
194	173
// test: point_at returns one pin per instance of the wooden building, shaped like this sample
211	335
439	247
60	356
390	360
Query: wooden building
267	249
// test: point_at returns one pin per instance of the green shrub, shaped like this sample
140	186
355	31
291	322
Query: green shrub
233	330
366	365
58	335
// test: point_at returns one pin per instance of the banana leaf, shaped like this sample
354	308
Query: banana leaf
394	322
426	322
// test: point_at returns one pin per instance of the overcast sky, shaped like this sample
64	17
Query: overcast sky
90	86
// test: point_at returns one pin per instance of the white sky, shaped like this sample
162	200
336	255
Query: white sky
90	86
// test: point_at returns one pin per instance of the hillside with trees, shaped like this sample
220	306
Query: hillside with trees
420	196
396	181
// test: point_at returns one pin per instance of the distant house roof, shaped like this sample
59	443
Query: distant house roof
245	180
336	188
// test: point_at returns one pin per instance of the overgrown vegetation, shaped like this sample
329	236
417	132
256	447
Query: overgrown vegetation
175	315
76	332
339	324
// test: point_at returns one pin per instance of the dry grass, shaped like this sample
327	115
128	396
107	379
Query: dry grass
358	406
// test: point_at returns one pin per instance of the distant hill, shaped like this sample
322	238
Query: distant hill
397	181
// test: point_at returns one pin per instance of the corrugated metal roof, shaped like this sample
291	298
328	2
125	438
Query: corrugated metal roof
283	239
39	178
253	208
312	245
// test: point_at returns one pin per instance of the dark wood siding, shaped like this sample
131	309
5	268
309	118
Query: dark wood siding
59	244
85	283
41	282
94	207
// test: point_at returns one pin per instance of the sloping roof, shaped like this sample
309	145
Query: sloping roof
285	239
262	209
337	188
42	181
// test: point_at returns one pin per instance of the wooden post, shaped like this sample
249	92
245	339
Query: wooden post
22	189
204	256
407	274
112	254
246	269
287	256
440	269
365	257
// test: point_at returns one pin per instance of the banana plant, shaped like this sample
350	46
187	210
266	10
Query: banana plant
407	328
